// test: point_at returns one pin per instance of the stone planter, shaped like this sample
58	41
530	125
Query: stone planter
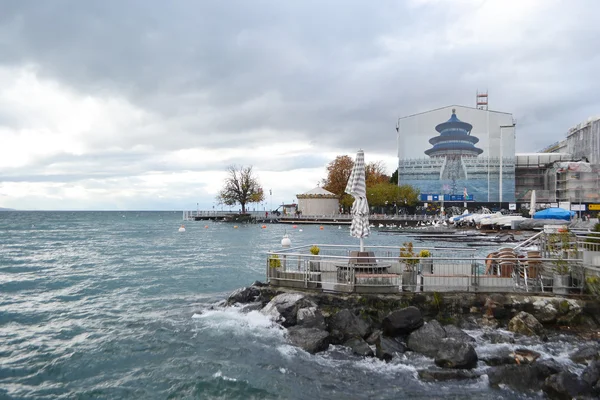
561	283
409	281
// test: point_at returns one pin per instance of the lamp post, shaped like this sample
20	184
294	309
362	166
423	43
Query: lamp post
502	161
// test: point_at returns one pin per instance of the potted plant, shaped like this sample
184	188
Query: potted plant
274	265
426	261
409	273
561	250
314	264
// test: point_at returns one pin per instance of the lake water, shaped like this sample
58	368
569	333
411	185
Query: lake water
102	305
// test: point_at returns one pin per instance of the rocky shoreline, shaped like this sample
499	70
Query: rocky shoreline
433	325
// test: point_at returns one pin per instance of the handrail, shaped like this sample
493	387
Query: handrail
528	241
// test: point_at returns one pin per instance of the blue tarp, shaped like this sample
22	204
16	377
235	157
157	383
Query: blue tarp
554	213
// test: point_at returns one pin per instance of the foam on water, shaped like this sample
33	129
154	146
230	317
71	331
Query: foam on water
219	375
235	322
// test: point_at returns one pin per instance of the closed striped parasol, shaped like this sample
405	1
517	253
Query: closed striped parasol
360	208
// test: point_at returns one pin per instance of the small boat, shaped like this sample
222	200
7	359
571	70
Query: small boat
182	228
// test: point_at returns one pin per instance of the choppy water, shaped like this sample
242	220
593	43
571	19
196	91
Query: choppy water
98	305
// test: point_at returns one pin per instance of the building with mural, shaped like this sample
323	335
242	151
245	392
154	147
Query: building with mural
458	153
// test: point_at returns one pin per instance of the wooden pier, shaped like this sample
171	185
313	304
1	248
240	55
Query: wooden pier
379	220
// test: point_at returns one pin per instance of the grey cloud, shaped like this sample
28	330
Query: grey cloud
215	74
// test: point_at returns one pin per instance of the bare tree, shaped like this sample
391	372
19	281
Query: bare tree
240	187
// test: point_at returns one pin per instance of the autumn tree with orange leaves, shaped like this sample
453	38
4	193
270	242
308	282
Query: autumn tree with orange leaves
338	173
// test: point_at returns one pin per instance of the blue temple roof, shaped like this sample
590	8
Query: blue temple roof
454	123
455	136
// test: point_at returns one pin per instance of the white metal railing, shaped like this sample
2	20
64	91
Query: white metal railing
382	270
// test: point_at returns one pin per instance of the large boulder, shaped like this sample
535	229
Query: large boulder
496	337
586	354
387	348
458	334
455	354
565	385
591	374
402	322
552	310
374	337
525	324
359	347
503	356
310	317
344	326
426	340
433	375
523	378
244	295
310	339
284	307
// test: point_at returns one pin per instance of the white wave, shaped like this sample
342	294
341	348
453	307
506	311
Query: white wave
220	375
288	351
232	320
283	370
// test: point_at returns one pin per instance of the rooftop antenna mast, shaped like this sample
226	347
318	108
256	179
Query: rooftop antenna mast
481	100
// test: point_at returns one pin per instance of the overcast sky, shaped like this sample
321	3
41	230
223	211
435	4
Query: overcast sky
142	105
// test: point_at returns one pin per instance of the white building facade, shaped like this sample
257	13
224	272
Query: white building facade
318	201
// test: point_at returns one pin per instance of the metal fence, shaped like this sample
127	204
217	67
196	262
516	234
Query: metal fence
384	269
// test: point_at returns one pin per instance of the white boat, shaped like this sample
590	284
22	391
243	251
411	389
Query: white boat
182	228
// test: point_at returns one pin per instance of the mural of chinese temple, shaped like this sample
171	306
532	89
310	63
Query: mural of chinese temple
453	143
458	153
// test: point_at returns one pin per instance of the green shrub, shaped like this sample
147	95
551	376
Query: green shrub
314	250
274	261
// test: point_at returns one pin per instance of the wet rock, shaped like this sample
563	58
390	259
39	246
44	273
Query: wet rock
586	354
246	308
387	348
402	322
523	378
359	347
525	324
348	325
503	357
259	284
496	337
372	339
591	374
565	385
433	375
310	339
525	356
243	295
284	307
426	340
311	317
489	321
454	332
544	311
456	354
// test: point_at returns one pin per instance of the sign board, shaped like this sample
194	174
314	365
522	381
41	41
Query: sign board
577	207
512	206
594	207
554	205
566	205
446	197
